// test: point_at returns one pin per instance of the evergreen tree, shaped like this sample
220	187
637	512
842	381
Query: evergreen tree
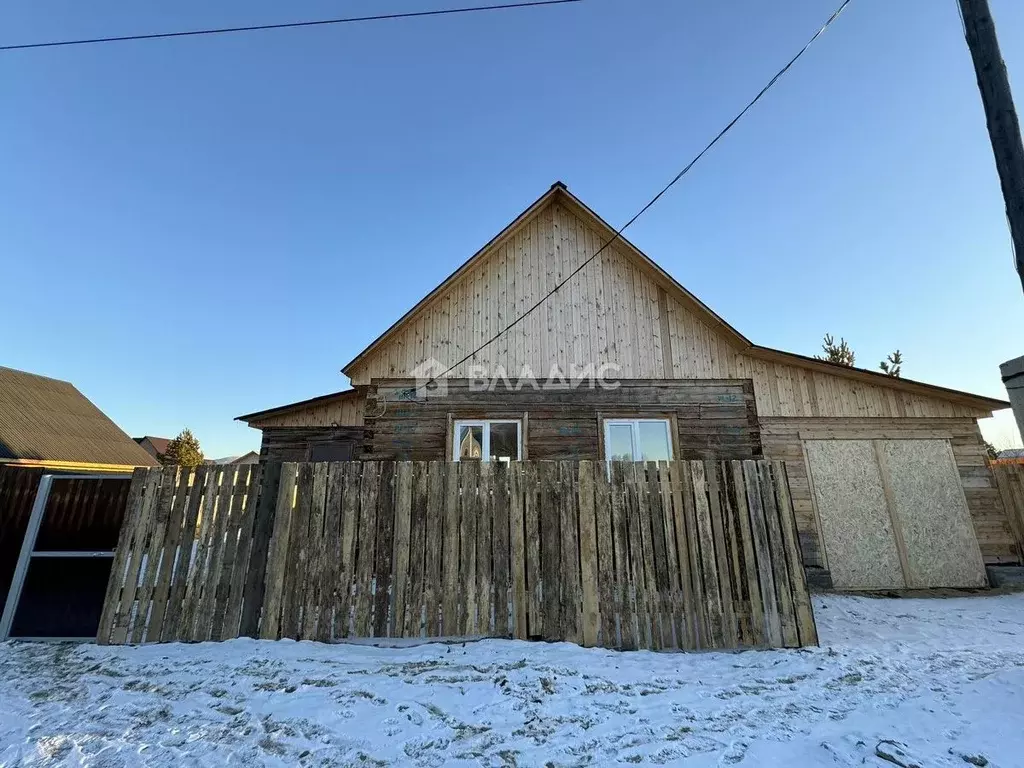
837	353
184	450
891	365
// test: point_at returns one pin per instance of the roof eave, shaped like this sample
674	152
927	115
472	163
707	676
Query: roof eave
248	417
880	379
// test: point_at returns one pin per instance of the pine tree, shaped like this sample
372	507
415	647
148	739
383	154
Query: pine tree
891	365
183	450
837	353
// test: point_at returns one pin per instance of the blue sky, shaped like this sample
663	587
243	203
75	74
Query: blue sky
197	228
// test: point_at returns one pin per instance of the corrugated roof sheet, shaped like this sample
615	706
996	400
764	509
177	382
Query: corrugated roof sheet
48	419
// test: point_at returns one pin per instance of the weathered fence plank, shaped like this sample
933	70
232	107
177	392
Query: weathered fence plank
384	549
588	555
1009	480
624	595
517	542
451	591
485	512
762	553
417	549
277	556
470	478
400	556
125	548
174	616
500	548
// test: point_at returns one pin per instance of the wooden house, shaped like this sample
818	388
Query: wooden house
154	446
888	475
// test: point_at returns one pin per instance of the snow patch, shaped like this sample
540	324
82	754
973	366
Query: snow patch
930	682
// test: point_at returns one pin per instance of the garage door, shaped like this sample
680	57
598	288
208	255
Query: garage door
893	514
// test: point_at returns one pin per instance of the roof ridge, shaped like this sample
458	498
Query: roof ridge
37	375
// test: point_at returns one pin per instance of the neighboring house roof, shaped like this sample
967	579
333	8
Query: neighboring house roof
48	420
158	444
1011	453
734	337
246	458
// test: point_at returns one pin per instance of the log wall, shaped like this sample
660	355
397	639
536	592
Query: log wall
710	419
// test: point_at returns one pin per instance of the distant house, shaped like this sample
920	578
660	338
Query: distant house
252	457
48	423
154	446
1010	456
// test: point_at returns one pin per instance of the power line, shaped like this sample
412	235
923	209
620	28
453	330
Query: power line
288	25
654	199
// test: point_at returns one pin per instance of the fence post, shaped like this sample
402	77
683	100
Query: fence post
263	527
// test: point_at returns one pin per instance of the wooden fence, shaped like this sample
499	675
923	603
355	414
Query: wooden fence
684	554
1010	482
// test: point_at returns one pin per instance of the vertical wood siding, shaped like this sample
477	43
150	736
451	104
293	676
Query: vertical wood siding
343	411
615	310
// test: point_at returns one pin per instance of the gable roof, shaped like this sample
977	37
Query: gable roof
44	419
560	191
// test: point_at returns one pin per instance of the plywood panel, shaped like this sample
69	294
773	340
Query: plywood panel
781	439
931	511
856	526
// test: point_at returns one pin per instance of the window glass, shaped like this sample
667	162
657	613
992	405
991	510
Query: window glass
653	440
471	442
504	441
620	442
333	451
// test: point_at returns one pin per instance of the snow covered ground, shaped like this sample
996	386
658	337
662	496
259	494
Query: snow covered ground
944	678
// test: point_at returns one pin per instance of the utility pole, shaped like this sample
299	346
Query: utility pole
1004	133
1003	128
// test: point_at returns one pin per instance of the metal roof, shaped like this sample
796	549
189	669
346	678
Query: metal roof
44	419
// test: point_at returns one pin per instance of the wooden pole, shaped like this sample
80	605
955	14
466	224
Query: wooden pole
1003	128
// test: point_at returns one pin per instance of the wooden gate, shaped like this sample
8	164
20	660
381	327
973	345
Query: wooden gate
682	554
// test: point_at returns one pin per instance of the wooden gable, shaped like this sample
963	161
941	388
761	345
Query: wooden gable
622	309
615	310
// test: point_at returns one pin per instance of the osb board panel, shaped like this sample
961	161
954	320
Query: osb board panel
856	526
929	505
615	310
781	440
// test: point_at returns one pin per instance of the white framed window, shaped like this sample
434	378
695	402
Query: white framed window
637	440
487	440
